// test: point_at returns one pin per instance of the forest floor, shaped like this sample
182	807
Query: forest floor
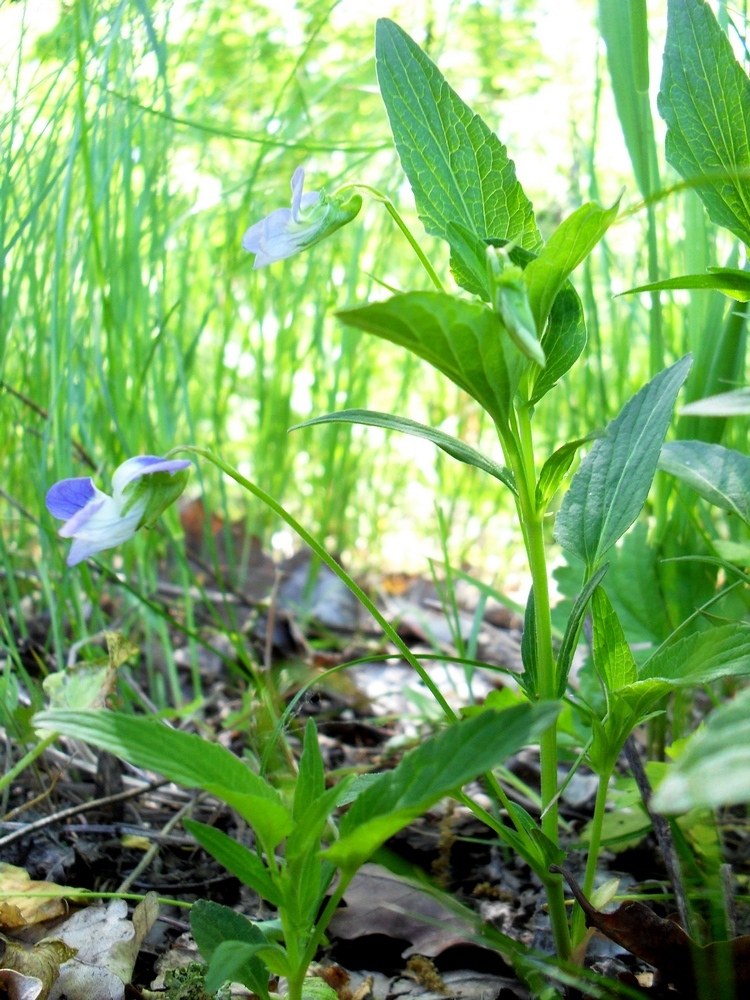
87	820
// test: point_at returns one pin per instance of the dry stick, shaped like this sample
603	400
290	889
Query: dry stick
40	411
662	831
730	903
151	853
82	807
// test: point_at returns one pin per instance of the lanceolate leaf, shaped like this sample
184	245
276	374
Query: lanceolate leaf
626	37
571	243
612	656
704	98
236	858
440	765
564	336
457	167
729	280
573	628
555	469
529	656
462	340
455	448
564	339
720	475
725	404
184	758
723	651
714	770
613	481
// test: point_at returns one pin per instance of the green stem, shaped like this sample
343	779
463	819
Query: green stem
331	563
520	455
593	855
394	213
29	758
325	918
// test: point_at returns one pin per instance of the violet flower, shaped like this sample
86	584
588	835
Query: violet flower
142	488
288	231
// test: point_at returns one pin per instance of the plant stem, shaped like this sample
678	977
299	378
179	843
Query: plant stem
29	758
320	928
578	928
332	565
520	455
395	215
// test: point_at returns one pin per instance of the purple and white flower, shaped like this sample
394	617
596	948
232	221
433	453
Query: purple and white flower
287	231
142	488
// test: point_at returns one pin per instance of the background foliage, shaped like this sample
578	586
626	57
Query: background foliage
139	140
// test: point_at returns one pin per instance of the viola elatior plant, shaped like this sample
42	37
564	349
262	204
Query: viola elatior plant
142	489
507	334
312	217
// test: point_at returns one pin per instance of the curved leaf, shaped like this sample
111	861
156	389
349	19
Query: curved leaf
714	770
573	628
720	475
439	766
463	340
613	481
724	404
571	243
455	448
723	651
729	280
703	99
458	169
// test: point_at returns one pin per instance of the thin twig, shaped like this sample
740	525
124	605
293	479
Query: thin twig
40	411
82	807
662	831
151	853
730	904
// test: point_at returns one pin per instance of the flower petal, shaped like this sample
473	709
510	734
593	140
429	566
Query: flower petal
80	519
68	496
143	465
104	528
298	182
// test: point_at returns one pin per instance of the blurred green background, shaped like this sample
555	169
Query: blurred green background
140	139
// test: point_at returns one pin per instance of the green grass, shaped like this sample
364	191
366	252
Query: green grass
138	142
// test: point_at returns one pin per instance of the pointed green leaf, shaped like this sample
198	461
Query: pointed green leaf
212	925
311	778
704	98
462	340
555	469
573	627
724	404
243	863
529	679
439	766
634	704
625	31
458	169
714	770
569	245
563	340
612	656
720	475
452	446
729	280
269	817
723	651
184	758
613	481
